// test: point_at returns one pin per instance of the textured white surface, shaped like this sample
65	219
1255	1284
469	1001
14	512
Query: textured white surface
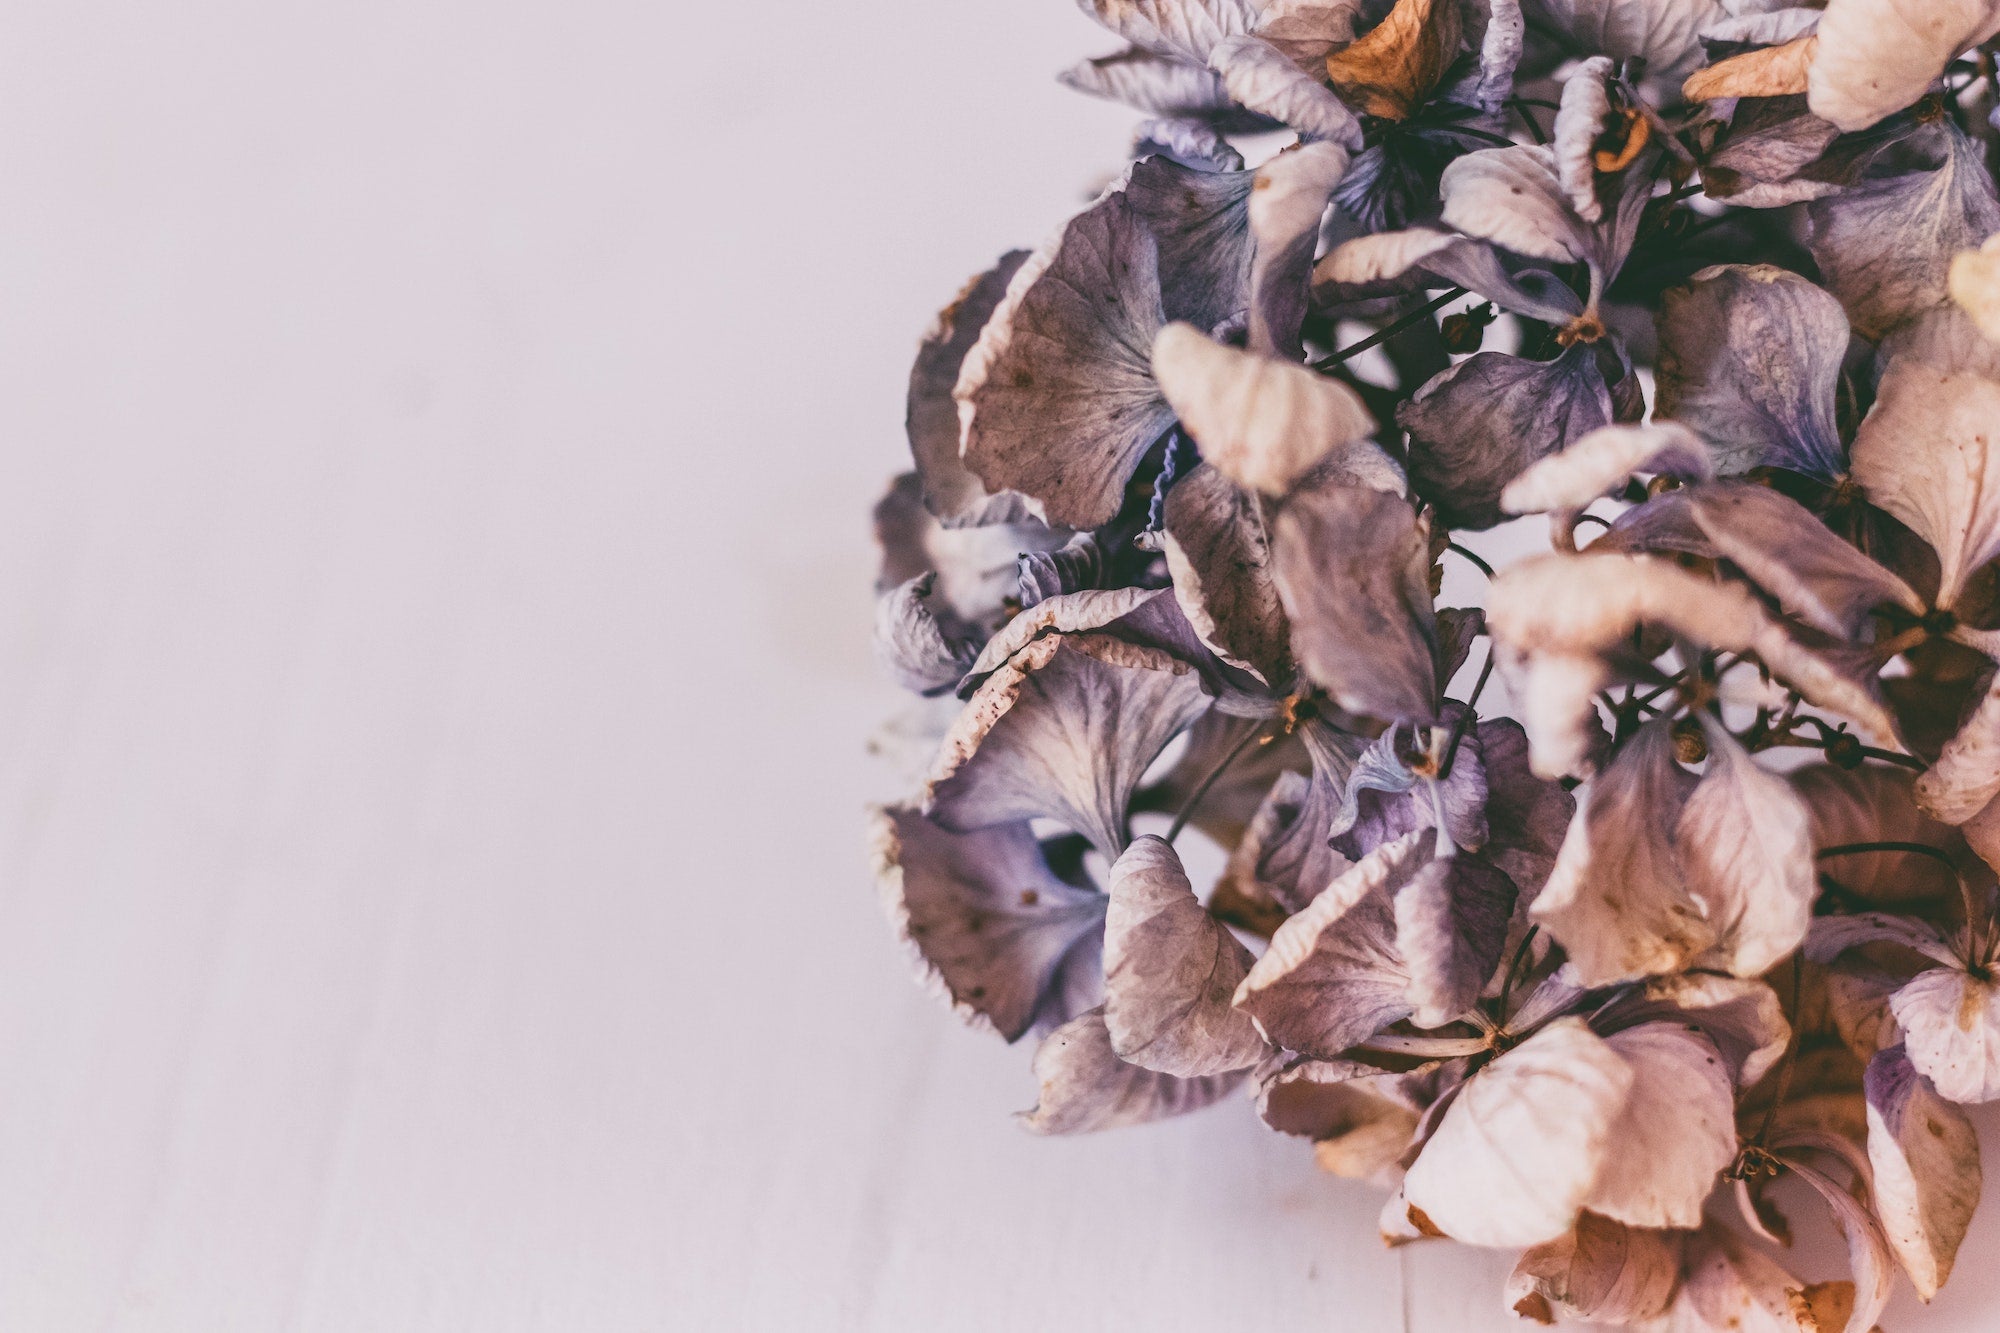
433	582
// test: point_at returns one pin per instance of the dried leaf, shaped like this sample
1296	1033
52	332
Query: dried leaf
1395	65
1773	71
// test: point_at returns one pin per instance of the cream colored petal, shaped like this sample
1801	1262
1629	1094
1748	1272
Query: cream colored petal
1925	1155
1515	1157
1675	1133
1878	56
1951	1028
1746	850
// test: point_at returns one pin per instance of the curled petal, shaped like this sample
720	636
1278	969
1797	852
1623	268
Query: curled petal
1286	204
1392	69
1930	454
1617	898
1579	120
1868	1254
1925	1156
1675	1132
909	641
1951	1029
1878	56
1170	971
1511	197
1061	734
951	490
1146	81
1261	422
1085	1086
1360	1120
1966	776
1353	568
1219	555
1745	847
1600	462
1066	356
1177	29
1332	976
1514	1159
1602	1270
1773	71
1259	76
991	927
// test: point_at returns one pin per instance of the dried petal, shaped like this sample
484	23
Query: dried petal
1201	223
1057	400
1176	29
1663	33
1675	1132
1750	359
1974	283
1395	65
1966	776
951	490
1259	76
1170	972
1745	847
1061	734
1261	422
1875	803
1868	1254
990	926
1878	56
1512	197
1925	1156
1951	1028
1599	463
1515	1157
1884	246
1353	568
1730	1288
1085	1086
1286	204
1928	455
1482	423
1602	1270
1156	84
1451	929
1220	557
1771	72
1586	103
1332	976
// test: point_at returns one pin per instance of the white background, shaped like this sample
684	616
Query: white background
434	577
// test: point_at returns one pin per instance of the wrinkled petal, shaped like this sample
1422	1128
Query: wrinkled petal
991	927
1220	557
1262	78
1385	799
1878	56
1740	1016
1451	929
1353	569
1485	421
1191	143
1868	1254
1966	776
1061	734
1750	360
1394	66
1261	422
1514	1159
1527	817
1085	1086
1928	454
1885	246
1146	81
975	564
1774	71
1332	976
1511	197
1784	549
909	641
1307	31
1420	257
1602	1270
1745	847
1617	898
1831	936
1951	1029
1925	1156
1675	1132
1286	204
1586	102
951	490
1664	33
1599	463
1176	29
1170	972
1057	400
1201	223
1063	613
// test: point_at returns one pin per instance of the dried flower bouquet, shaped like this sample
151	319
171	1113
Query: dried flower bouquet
1717	904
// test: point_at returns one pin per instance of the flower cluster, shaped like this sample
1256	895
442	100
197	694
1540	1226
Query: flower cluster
1716	904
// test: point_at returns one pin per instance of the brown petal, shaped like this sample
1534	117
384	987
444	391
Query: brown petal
1602	1270
1770	72
1396	64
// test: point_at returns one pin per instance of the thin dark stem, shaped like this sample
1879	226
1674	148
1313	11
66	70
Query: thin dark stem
1236	752
1863	848
1521	105
1471	133
1514	969
1471	558
1458	727
1383	335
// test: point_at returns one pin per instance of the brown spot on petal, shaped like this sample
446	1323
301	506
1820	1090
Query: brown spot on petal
1535	1306
1971	1004
1422	1223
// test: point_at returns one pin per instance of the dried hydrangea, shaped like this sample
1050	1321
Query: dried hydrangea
1713	901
